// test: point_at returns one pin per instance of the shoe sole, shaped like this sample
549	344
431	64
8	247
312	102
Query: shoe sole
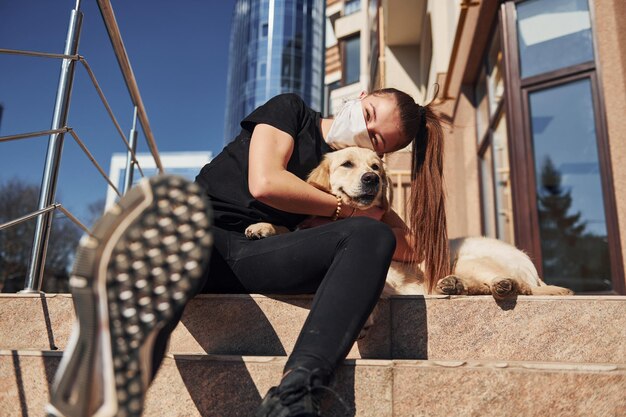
137	270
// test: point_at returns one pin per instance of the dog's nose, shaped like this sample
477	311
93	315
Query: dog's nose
369	178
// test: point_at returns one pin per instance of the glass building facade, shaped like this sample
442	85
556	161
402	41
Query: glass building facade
276	46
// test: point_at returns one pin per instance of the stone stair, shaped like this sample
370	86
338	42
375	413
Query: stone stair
425	356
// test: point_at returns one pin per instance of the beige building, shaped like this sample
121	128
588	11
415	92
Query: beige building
535	94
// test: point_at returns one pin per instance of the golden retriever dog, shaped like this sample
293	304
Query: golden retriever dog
480	265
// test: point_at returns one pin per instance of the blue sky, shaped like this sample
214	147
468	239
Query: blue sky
178	52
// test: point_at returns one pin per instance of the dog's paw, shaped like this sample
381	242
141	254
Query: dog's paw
260	231
562	291
551	290
451	285
504	287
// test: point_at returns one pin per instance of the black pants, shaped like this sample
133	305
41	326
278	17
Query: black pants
343	263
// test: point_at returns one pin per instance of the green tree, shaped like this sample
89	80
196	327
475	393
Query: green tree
571	256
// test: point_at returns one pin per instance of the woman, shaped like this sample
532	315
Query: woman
260	176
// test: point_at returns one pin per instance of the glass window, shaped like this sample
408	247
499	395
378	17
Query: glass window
553	34
352	60
495	74
493	146
486	189
502	181
570	204
351	6
482	107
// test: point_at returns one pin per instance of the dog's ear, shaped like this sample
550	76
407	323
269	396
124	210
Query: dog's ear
387	192
320	176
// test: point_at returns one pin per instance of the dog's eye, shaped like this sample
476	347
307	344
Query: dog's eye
347	164
375	167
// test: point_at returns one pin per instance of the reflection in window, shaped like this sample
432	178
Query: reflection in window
493	147
495	73
502	181
351	6
553	34
488	204
482	116
351	60
569	191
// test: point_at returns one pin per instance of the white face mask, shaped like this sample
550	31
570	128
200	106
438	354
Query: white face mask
349	128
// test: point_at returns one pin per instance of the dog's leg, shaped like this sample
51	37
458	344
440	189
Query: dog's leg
457	285
262	230
551	290
507	287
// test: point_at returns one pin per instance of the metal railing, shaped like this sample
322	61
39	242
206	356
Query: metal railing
47	196
401	180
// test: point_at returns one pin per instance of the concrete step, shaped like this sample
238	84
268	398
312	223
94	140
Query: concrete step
232	386
587	329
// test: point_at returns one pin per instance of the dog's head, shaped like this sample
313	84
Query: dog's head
357	175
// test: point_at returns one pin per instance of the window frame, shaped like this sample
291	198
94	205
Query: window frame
343	42
485	142
524	193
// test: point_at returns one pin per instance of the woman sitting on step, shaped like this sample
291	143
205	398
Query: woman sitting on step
162	244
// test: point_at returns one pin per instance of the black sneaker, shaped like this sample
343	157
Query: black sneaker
136	271
298	395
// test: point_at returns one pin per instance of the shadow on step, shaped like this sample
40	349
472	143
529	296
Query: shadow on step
408	327
242	325
235	326
229	387
232	325
19	381
221	388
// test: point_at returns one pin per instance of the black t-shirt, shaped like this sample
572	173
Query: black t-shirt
225	178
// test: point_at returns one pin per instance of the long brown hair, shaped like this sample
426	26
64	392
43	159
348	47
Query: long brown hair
426	211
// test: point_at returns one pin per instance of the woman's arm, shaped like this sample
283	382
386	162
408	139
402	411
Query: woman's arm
403	237
271	183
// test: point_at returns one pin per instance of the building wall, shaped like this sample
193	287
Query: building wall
425	42
461	169
414	63
453	38
343	26
610	32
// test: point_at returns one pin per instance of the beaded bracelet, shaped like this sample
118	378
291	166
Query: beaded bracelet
337	210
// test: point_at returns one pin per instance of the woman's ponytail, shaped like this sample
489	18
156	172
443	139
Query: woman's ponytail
427	214
426	204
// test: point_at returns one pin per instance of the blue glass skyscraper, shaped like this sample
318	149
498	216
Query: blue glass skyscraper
276	46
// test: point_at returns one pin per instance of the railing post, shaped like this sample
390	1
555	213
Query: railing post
53	157
130	164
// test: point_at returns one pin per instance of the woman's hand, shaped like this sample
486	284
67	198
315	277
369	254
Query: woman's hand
375	213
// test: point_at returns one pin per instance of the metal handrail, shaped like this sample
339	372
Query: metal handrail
36	213
111	115
47	206
38	54
82	146
96	85
32	134
106	10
